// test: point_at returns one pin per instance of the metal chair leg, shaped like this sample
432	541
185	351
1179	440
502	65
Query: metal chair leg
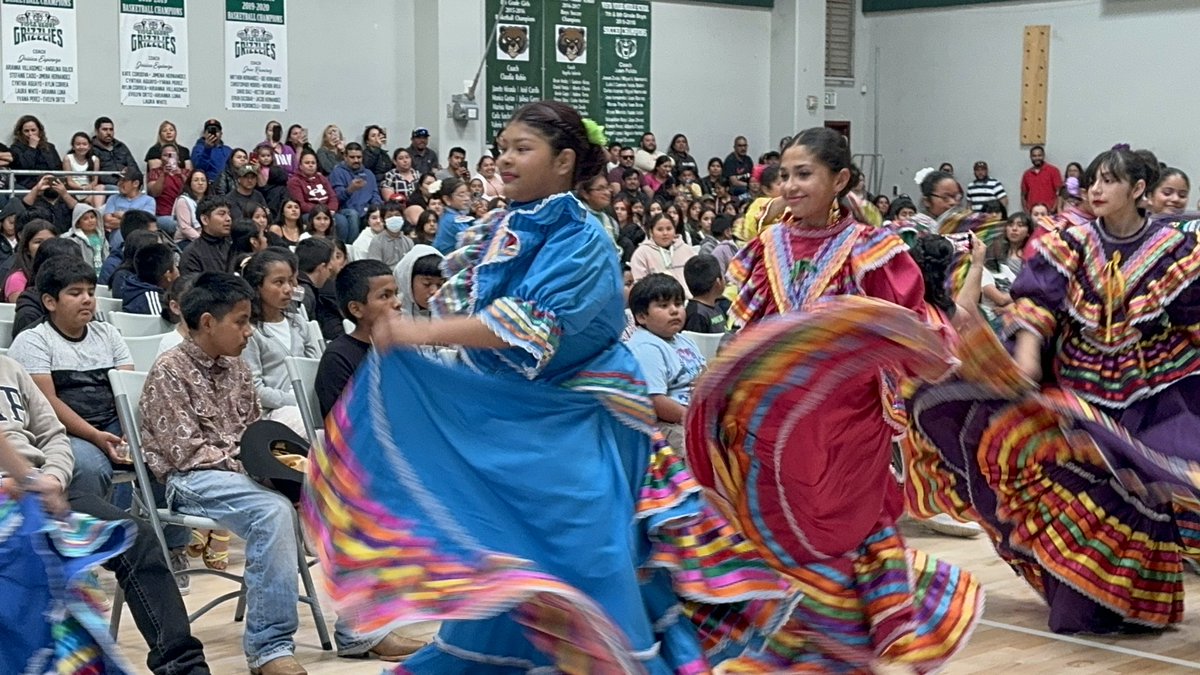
310	591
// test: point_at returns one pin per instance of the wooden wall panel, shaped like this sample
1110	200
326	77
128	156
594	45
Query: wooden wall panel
1035	77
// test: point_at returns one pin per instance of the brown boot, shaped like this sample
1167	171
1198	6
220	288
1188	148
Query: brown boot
284	665
394	647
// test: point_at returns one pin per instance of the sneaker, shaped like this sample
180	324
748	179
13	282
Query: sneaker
944	524
179	563
95	592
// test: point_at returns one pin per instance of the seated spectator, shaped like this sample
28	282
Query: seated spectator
314	258
290	227
707	311
131	222
85	233
187	227
30	310
138	239
50	196
165	185
456	166
245	239
726	248
418	276
129	197
401	181
425	228
31	151
228	177
154	269
366	291
309	188
331	150
616	174
114	155
210	154
704	225
272	176
29	425
79	160
631	188
374	226
356	190
391	245
245	196
167	135
8	227
194	449
173	312
456	200
319	223
651	182
209	253
279	332
375	157
20	275
670	362
662	251
329	314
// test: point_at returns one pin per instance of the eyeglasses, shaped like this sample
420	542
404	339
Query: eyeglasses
626	156
949	198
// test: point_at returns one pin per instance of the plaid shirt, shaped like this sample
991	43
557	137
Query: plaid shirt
194	410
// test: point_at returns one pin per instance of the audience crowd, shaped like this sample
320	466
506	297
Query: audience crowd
252	255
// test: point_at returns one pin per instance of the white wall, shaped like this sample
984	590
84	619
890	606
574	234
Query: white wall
1120	72
337	74
710	76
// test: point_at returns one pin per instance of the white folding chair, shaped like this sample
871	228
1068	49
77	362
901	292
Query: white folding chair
6	330
108	305
143	349
707	342
103	291
127	390
303	374
139	325
8	311
314	329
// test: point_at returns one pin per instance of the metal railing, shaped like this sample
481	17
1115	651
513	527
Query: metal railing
13	190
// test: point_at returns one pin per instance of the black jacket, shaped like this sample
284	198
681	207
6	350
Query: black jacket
45	158
115	159
206	254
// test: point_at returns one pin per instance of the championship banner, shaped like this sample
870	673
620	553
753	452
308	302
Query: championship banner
591	54
154	53
255	55
40	55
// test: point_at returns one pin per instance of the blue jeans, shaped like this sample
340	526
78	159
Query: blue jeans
93	476
266	520
348	224
167	224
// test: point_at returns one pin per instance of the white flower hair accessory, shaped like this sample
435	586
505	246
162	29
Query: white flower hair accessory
436	186
920	177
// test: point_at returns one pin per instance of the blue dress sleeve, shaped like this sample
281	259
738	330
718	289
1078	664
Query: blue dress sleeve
566	287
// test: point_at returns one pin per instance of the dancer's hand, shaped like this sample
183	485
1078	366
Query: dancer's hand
52	492
978	250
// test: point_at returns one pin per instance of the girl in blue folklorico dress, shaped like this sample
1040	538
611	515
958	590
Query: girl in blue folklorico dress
526	499
48	623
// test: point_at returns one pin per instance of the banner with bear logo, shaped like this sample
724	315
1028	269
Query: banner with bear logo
40	53
154	53
256	56
591	54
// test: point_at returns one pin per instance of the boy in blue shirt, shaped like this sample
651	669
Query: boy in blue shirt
670	361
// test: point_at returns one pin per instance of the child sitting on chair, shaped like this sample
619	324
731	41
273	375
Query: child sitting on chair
279	332
670	362
707	311
194	448
154	269
366	290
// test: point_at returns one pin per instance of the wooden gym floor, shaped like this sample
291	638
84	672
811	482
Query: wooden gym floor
1012	637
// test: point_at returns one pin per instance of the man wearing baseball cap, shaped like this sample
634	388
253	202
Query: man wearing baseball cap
211	154
424	160
985	189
